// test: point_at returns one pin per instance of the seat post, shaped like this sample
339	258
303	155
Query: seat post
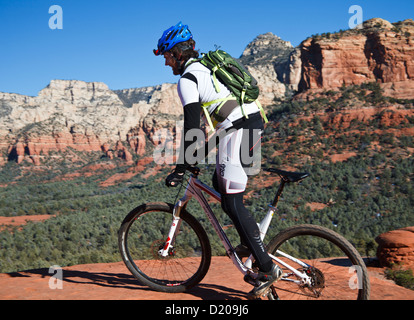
279	192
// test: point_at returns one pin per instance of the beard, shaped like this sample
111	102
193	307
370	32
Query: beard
175	70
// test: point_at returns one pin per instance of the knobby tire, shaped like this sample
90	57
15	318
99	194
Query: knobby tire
142	234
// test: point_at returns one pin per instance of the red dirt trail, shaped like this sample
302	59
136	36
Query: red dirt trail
112	281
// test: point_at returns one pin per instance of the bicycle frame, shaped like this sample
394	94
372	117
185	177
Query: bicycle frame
194	189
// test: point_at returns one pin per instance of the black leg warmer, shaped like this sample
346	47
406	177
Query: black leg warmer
247	228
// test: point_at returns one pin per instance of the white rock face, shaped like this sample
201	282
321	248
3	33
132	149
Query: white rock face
90	105
275	64
67	110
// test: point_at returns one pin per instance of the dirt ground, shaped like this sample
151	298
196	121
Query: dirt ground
112	281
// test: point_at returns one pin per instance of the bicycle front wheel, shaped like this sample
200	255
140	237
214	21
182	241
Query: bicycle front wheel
334	267
144	232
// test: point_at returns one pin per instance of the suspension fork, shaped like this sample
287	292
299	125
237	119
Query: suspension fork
175	224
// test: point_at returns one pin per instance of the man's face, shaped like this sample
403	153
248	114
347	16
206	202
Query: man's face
172	62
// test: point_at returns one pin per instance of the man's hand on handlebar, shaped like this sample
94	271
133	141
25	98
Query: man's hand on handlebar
174	179
177	175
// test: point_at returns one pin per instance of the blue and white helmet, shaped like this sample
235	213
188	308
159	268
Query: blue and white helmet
172	36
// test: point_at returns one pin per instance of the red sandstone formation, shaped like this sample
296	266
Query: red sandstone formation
380	51
397	247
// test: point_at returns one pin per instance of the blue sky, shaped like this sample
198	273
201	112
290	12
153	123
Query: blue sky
112	41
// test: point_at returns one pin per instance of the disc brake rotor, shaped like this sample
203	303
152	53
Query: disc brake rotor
317	281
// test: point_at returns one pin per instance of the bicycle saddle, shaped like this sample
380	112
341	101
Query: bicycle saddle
289	176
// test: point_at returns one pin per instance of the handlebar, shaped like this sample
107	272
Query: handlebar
194	170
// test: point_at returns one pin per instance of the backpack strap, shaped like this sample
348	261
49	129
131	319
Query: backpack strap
262	112
207	104
213	70
220	117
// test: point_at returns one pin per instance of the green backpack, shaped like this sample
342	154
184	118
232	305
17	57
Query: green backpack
236	78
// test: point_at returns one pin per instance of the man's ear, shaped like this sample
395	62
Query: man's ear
178	55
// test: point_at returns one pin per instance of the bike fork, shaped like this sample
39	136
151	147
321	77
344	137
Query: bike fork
175	227
169	243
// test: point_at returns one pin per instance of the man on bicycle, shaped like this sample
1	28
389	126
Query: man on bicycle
195	87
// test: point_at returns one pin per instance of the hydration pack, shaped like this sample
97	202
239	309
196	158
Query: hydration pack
239	81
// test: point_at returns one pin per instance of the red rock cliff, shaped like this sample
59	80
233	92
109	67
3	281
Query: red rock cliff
379	51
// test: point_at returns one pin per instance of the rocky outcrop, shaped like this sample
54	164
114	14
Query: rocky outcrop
83	116
396	247
379	51
275	64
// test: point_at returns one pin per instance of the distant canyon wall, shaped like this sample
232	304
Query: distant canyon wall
379	51
85	117
91	117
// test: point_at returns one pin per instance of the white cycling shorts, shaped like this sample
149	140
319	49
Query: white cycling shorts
238	155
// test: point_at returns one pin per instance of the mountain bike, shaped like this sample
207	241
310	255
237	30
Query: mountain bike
167	249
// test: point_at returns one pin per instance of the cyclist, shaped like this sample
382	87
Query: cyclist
195	87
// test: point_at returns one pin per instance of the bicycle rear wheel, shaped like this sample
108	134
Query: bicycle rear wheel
336	269
144	232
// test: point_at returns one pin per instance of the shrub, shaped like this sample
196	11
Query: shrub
402	277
